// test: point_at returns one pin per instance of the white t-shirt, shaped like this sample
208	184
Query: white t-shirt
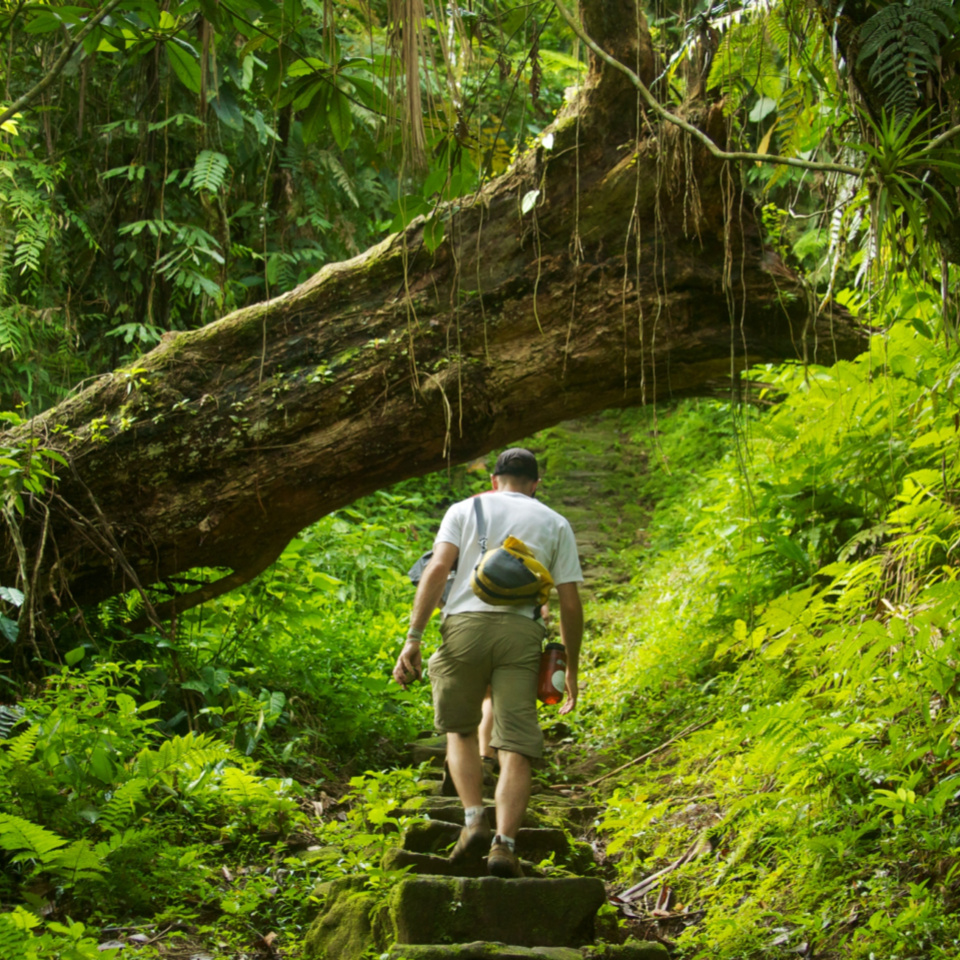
507	514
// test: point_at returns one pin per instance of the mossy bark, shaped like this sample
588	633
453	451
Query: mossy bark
638	275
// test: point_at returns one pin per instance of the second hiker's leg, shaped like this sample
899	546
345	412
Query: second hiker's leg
486	728
513	792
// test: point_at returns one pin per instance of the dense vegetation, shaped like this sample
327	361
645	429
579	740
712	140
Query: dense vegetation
774	574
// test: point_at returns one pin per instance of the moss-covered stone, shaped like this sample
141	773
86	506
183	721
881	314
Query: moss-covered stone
533	843
434	836
349	925
526	912
426	864
631	950
484	950
451	811
480	950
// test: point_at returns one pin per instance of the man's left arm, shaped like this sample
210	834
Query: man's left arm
429	591
571	635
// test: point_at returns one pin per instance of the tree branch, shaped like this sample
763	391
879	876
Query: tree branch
946	135
665	114
61	62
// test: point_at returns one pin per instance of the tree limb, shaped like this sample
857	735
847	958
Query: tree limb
694	132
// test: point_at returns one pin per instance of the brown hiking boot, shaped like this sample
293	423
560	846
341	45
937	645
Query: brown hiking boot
502	862
472	843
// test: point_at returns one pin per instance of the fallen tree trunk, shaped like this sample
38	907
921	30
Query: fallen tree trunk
637	275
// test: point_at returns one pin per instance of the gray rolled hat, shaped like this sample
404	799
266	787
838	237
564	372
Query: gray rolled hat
517	462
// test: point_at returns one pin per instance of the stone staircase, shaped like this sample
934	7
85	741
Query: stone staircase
438	912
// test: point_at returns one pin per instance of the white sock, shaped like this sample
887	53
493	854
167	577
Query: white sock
472	814
506	841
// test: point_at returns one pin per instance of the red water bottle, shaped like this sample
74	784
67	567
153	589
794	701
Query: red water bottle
553	674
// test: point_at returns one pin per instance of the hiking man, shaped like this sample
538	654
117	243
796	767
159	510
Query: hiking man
496	645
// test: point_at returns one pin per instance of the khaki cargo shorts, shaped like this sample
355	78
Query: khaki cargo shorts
502	649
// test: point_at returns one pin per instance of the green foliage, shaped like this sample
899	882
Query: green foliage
196	160
904	41
89	788
803	609
19	938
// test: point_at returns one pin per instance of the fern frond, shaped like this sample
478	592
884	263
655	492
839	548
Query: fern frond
339	175
77	862
10	716
15	930
28	840
243	788
904	40
209	171
123	804
181	753
121	841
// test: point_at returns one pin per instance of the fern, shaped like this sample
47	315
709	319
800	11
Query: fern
27	840
77	862
905	40
21	748
209	171
243	788
15	930
339	175
123	841
191	752
123	805
10	716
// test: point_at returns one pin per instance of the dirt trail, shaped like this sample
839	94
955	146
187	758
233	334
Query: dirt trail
592	475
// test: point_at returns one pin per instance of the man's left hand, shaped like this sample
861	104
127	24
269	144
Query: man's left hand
570	701
409	665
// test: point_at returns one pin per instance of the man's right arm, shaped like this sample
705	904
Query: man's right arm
429	592
571	635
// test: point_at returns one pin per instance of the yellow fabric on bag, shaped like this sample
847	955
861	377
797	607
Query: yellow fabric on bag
535	585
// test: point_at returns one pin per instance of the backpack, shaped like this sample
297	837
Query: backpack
415	573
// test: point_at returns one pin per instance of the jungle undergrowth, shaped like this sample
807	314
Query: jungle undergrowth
809	629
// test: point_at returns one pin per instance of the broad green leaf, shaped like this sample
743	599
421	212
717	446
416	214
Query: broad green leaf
74	656
408	208
43	22
433	233
9	629
12	595
101	765
315	115
761	109
225	106
790	549
185	66
306	66
340	118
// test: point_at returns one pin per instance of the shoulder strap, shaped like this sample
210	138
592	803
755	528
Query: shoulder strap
481	525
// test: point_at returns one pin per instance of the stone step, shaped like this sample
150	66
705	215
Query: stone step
427	864
542	913
442	808
533	843
485	950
